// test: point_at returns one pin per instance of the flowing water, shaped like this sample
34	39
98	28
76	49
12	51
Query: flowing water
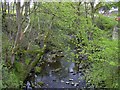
60	74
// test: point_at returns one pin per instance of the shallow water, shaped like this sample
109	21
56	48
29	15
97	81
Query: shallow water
66	77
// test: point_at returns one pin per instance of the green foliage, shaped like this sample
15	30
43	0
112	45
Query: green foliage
27	61
64	27
105	22
10	80
19	66
1	75
104	65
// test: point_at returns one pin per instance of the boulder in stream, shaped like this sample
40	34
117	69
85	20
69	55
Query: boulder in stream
71	71
41	83
67	82
54	79
76	84
62	81
72	83
37	69
74	73
70	79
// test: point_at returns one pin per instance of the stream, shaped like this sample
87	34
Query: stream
59	74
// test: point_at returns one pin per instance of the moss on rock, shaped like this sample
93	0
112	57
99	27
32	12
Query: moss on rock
38	69
41	83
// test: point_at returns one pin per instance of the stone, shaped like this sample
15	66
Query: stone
54	79
88	81
38	69
71	71
67	82
57	70
35	76
74	74
80	71
35	87
70	79
76	84
41	83
80	67
47	84
72	83
62	81
38	86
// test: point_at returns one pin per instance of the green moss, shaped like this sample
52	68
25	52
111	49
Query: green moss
41	83
27	61
38	69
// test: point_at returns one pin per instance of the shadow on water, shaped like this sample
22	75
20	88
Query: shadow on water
60	74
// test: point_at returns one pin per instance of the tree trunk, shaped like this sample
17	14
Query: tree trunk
92	11
17	39
86	11
22	74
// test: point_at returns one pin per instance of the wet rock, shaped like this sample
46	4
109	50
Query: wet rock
62	81
35	83
41	83
47	84
74	73
76	84
54	79
35	87
38	69
80	67
70	79
88	81
35	76
52	70
38	86
72	83
67	82
80	71
71	71
56	70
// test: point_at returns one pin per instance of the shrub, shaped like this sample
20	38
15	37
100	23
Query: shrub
104	65
10	80
105	22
